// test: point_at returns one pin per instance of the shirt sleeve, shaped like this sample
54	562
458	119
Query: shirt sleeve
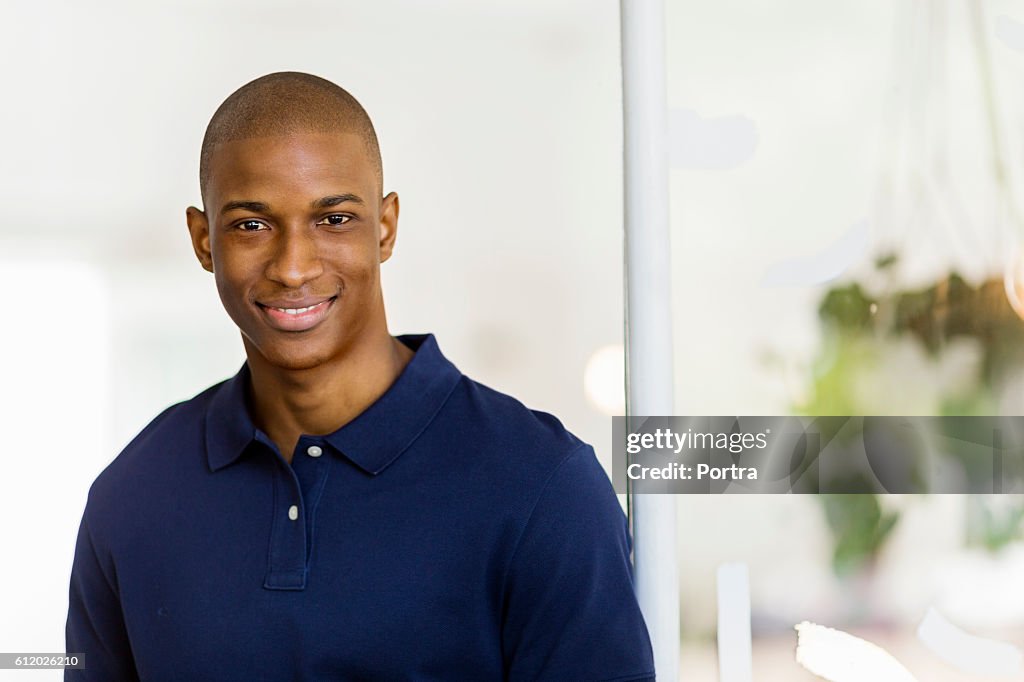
95	625
570	610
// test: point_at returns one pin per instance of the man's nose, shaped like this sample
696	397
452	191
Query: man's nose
296	258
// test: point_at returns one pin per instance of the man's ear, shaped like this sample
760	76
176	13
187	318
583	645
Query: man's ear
199	229
388	225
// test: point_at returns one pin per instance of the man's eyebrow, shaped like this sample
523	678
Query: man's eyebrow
260	207
254	206
336	199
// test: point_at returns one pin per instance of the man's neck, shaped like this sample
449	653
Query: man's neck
289	403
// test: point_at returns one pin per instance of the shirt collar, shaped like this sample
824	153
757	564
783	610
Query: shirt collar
373	440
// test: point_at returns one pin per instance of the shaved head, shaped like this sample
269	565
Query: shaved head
283	103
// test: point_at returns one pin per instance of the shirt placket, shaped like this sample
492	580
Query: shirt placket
297	490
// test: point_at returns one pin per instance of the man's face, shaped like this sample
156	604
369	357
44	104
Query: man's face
294	230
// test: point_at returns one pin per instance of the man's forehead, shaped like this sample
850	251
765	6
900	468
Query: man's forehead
291	161
345	147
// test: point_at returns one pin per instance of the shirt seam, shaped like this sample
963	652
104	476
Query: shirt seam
114	589
99	561
533	509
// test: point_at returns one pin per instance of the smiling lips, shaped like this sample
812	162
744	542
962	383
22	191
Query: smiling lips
303	315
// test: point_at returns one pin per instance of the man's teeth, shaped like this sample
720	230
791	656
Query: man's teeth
296	311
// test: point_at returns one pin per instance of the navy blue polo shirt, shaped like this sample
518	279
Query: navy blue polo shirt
446	533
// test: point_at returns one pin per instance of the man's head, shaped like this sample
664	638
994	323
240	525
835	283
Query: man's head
285	102
293	217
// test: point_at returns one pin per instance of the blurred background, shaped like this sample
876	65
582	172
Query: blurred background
846	239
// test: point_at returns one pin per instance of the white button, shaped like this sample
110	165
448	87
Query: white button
293	512
314	451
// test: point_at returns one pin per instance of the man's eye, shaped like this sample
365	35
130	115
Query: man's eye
335	219
250	225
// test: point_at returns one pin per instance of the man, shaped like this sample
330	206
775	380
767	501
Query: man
349	506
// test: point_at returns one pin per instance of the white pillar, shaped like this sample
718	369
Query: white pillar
648	309
735	660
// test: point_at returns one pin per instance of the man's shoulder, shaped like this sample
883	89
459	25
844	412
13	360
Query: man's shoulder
176	426
503	425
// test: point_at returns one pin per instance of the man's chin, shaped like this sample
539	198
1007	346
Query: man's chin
301	355
296	362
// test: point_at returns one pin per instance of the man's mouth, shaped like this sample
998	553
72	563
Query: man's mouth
296	318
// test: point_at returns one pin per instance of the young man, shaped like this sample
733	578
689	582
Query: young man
349	506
